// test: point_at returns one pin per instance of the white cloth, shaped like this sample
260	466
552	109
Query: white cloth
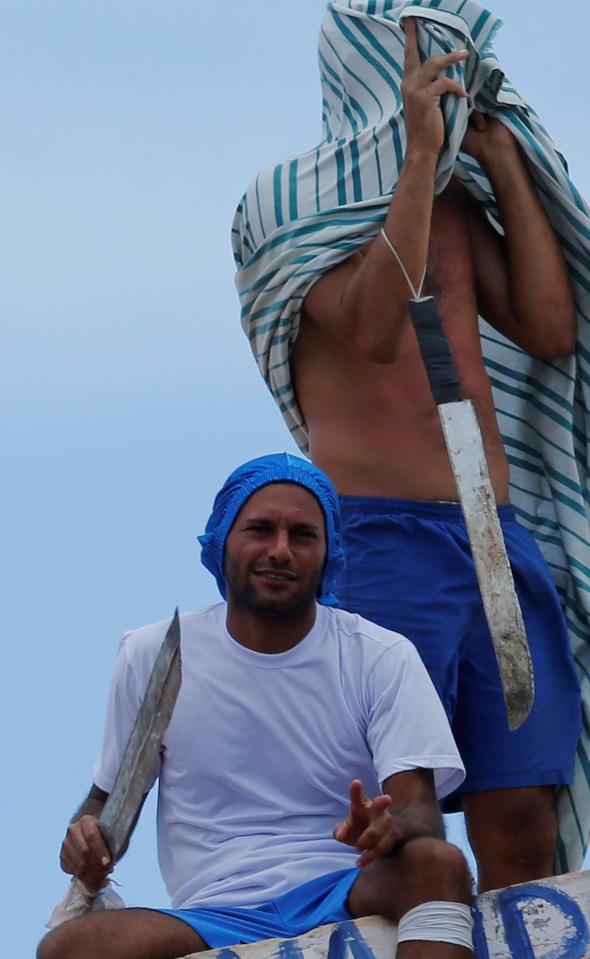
78	901
438	921
261	749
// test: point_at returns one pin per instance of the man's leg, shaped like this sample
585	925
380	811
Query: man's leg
509	794
513	833
121	934
422	871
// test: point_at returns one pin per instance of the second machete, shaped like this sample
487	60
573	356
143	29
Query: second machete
465	447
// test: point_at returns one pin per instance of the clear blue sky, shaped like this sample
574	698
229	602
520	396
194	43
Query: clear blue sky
130	129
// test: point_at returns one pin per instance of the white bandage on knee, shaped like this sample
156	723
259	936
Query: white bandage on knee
438	921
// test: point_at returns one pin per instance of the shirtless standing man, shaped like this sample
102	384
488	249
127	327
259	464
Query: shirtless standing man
374	428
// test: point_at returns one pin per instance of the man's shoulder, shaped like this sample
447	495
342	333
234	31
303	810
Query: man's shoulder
146	640
372	656
356	628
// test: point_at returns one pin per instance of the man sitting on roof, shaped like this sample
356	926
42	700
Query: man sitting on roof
289	710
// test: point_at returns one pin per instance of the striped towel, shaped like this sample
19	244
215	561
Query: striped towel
302	217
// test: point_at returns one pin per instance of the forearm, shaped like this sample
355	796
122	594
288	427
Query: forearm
84	853
407	809
376	295
539	286
418	820
363	301
92	805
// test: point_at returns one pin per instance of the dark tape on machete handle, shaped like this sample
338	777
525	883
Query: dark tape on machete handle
435	350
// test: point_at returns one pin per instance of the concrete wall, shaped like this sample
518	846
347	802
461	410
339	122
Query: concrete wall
544	920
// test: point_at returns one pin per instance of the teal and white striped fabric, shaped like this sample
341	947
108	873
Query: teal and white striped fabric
303	216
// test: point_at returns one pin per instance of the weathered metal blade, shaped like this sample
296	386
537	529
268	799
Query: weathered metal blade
468	460
496	583
124	802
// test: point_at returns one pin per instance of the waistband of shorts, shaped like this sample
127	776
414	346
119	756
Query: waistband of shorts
427	509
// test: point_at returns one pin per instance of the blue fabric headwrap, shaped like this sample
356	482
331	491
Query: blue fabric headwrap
274	468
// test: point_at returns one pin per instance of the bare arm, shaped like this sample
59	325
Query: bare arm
523	283
83	852
407	810
363	302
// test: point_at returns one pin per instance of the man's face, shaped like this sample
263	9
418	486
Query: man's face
275	551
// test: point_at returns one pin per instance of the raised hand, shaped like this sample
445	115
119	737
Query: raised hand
486	136
369	826
422	88
84	853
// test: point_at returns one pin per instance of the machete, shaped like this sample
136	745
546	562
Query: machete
465	447
137	766
124	802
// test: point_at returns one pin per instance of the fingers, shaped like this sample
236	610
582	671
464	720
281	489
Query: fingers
432	67
343	833
84	853
382	848
422	87
357	796
379	839
364	808
367	819
380	834
411	54
429	70
445	85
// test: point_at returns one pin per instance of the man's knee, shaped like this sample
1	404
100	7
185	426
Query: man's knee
437	864
68	941
420	871
114	933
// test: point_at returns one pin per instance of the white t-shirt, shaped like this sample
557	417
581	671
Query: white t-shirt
261	748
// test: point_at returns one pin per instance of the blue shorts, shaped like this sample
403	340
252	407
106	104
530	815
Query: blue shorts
313	904
410	569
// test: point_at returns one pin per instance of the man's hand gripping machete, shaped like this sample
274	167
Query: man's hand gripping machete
122	807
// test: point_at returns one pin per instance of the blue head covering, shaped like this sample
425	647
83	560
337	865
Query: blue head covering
243	482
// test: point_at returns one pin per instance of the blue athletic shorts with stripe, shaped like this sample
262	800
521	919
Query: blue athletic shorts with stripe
312	904
410	569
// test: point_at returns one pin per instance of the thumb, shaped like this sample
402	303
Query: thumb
341	831
479	121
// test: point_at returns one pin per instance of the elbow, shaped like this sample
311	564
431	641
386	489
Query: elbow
549	329
568	332
378	343
554	348
561	349
383	353
559	338
371	322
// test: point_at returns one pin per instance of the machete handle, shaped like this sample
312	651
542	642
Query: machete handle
435	350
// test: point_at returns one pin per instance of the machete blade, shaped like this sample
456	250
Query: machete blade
470	468
494	575
124	802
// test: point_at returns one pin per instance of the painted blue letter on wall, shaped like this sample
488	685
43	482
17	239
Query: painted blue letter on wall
575	938
347	936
